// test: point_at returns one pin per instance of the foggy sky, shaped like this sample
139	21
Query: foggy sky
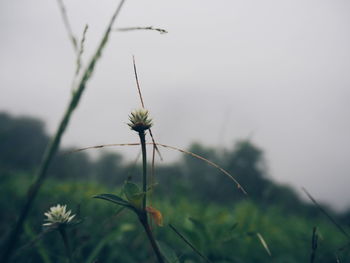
273	71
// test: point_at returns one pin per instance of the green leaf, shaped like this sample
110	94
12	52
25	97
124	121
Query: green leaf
114	199
133	194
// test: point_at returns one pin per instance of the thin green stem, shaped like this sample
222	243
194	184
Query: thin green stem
314	245
144	168
143	214
144	221
64	236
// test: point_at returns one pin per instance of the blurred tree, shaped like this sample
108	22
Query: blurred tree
199	176
170	181
73	166
109	168
22	142
246	162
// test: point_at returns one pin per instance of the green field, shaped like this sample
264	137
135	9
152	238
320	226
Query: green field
222	233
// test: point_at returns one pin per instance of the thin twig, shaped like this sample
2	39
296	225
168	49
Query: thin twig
67	25
143	106
239	186
137	82
208	162
160	30
189	243
340	228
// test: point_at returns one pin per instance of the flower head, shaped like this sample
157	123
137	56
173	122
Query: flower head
58	215
140	120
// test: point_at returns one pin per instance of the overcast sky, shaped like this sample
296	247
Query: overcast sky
273	71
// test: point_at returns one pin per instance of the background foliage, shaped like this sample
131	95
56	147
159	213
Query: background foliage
203	204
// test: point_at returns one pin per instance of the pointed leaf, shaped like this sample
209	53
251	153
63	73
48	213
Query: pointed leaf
114	199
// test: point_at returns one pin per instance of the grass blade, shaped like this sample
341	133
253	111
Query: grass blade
340	228
263	242
114	199
189	244
160	30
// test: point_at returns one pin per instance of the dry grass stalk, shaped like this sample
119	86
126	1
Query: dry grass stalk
239	186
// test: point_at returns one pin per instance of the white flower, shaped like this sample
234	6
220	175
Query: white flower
58	215
140	120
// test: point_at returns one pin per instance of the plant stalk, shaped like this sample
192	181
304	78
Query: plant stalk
144	221
144	168
314	241
143	214
63	233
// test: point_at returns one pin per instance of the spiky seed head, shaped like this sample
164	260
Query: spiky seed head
140	120
58	215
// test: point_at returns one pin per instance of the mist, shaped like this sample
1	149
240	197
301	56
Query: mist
273	72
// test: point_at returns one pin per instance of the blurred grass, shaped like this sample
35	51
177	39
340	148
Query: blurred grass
221	233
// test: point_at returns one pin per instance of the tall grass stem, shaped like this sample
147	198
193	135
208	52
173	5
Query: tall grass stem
144	168
144	221
143	217
55	142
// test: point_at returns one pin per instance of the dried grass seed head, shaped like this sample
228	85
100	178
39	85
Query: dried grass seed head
140	120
